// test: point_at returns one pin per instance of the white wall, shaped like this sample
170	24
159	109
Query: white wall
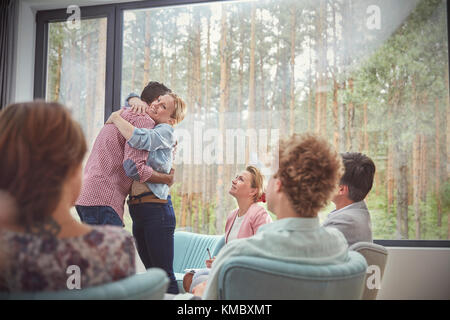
416	273
24	62
26	38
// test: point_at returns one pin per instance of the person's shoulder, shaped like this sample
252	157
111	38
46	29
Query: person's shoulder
133	117
257	210
335	234
232	213
108	235
165	127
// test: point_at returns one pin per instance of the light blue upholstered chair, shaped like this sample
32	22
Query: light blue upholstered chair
254	278
190	252
375	255
150	285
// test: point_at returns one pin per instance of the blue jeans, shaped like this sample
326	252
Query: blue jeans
153	230
99	215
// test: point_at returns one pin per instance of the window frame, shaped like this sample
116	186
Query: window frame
43	18
115	14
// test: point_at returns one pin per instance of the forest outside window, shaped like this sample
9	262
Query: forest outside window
371	76
76	65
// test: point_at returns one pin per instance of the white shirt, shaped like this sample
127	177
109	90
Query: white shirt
233	235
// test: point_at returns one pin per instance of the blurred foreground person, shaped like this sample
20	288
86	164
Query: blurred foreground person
42	150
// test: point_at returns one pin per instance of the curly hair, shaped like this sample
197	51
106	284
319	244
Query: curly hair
309	170
40	145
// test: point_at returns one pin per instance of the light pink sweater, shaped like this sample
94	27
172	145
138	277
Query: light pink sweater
255	217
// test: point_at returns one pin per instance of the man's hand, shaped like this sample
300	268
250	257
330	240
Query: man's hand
174	152
137	105
171	177
114	116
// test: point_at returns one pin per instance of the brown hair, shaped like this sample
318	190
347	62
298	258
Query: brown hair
309	170
358	176
40	145
257	181
153	90
180	108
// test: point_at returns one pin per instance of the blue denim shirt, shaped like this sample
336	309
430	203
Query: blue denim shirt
159	141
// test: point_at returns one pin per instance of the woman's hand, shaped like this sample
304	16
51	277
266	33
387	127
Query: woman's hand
137	105
114	116
209	262
199	289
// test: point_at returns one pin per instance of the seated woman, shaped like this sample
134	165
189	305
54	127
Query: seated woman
42	150
306	179
243	222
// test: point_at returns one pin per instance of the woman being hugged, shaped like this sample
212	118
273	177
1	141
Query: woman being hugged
42	151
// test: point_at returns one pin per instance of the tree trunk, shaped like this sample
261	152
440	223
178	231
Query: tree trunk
147	49
350	119
220	211
310	91
402	189
241	69
207	171
416	182
366	135
437	143
58	72
292	63
162	64
447	102
321	67
252	80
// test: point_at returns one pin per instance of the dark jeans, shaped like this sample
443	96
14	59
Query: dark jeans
153	229
99	215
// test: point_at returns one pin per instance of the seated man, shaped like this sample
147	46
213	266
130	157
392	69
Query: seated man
351	215
308	174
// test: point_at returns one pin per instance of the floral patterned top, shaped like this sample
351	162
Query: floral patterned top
36	263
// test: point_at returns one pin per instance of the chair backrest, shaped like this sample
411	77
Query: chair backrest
150	285
376	257
190	249
246	278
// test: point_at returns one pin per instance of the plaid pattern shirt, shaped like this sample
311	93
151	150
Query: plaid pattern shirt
105	182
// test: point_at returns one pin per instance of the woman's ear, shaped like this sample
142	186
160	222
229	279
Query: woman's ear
253	193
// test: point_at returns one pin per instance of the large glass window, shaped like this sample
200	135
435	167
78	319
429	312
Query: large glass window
371	76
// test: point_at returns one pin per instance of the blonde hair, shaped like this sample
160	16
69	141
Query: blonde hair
257	181
180	108
309	171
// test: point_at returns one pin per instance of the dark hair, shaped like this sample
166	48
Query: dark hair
153	90
358	175
40	145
